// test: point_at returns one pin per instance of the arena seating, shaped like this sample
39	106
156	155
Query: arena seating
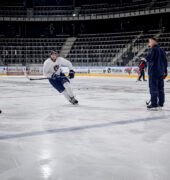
28	50
164	41
139	44
53	10
8	11
99	49
106	8
88	49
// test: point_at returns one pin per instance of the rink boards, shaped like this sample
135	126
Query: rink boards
110	71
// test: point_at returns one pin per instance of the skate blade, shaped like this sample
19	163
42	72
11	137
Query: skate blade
74	103
160	108
153	109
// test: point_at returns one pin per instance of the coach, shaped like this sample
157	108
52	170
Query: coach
157	71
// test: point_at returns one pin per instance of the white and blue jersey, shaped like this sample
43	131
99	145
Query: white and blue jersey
54	68
51	67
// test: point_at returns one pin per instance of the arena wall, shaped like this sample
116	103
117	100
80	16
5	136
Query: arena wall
110	71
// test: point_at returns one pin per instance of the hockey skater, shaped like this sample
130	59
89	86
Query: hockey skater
157	70
52	70
142	69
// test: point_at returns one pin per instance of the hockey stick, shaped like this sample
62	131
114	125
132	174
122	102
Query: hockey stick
35	79
148	102
32	79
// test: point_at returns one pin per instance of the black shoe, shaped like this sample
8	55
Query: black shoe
150	107
73	100
144	80
139	80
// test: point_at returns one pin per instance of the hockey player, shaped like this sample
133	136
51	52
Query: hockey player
157	70
52	70
142	68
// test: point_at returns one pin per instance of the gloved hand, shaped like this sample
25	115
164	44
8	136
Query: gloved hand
71	74
55	76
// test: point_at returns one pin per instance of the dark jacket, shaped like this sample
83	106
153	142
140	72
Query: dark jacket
157	62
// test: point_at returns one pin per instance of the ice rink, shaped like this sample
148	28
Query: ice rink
109	136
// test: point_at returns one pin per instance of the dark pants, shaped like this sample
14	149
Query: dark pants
156	85
142	74
57	83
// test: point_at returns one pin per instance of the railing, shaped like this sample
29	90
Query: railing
67	11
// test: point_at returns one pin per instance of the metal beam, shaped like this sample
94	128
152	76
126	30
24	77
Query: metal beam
88	17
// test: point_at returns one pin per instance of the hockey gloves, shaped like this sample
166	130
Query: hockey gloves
71	74
55	77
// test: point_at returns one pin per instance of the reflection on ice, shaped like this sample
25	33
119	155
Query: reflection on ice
46	171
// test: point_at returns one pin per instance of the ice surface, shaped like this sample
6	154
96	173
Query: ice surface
109	136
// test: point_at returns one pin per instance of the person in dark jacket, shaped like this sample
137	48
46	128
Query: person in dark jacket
157	71
142	68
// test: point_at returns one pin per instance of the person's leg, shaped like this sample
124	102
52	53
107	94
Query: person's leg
66	95
63	86
57	85
144	75
161	96
140	76
153	86
68	89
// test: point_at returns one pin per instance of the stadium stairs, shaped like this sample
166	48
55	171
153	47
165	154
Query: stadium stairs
67	46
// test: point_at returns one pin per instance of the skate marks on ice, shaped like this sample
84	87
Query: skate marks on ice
105	109
81	128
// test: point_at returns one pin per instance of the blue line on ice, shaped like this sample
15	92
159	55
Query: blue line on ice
78	128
